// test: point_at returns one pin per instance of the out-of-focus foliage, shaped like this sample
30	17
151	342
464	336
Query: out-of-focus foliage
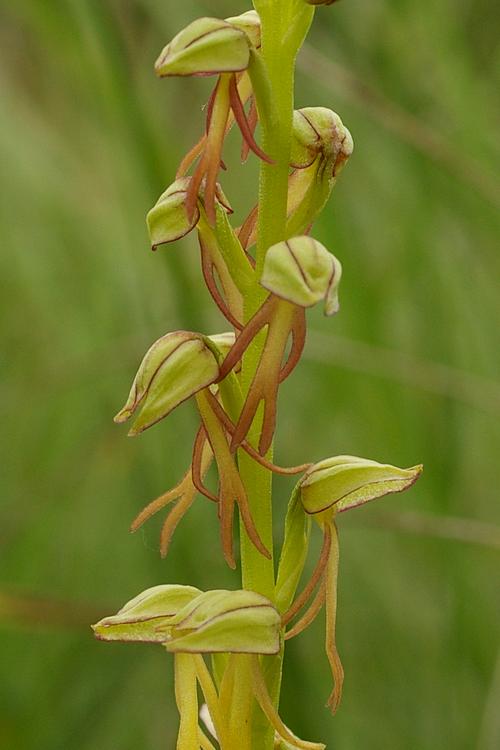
89	138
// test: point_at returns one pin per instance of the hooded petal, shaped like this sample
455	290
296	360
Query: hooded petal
139	619
206	47
302	271
344	482
174	368
227	622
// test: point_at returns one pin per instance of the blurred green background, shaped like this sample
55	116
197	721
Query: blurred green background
407	372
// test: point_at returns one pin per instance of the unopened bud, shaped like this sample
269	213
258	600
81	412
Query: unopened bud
318	130
302	271
226	622
344	482
174	368
139	619
207	46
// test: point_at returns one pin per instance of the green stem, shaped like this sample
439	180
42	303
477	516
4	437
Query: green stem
257	571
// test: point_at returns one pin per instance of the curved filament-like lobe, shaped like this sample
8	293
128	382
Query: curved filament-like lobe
282	321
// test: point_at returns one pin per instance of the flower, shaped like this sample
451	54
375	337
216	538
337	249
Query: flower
329	487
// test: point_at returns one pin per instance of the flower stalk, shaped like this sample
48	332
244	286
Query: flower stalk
228	646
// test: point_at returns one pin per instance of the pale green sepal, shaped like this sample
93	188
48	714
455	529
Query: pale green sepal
249	22
139	619
344	482
207	46
175	367
227	622
168	220
302	271
294	551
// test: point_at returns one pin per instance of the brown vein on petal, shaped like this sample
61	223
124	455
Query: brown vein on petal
301	270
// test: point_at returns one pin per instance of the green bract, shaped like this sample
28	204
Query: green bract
225	622
345	482
168	220
176	367
139	619
302	271
206	47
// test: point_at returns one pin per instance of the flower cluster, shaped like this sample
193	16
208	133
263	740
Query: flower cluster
238	628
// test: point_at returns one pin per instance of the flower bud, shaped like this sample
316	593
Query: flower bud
139	619
318	130
168	220
226	622
302	271
175	367
248	22
344	482
206	47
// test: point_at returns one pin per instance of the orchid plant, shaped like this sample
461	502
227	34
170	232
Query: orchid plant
228	646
